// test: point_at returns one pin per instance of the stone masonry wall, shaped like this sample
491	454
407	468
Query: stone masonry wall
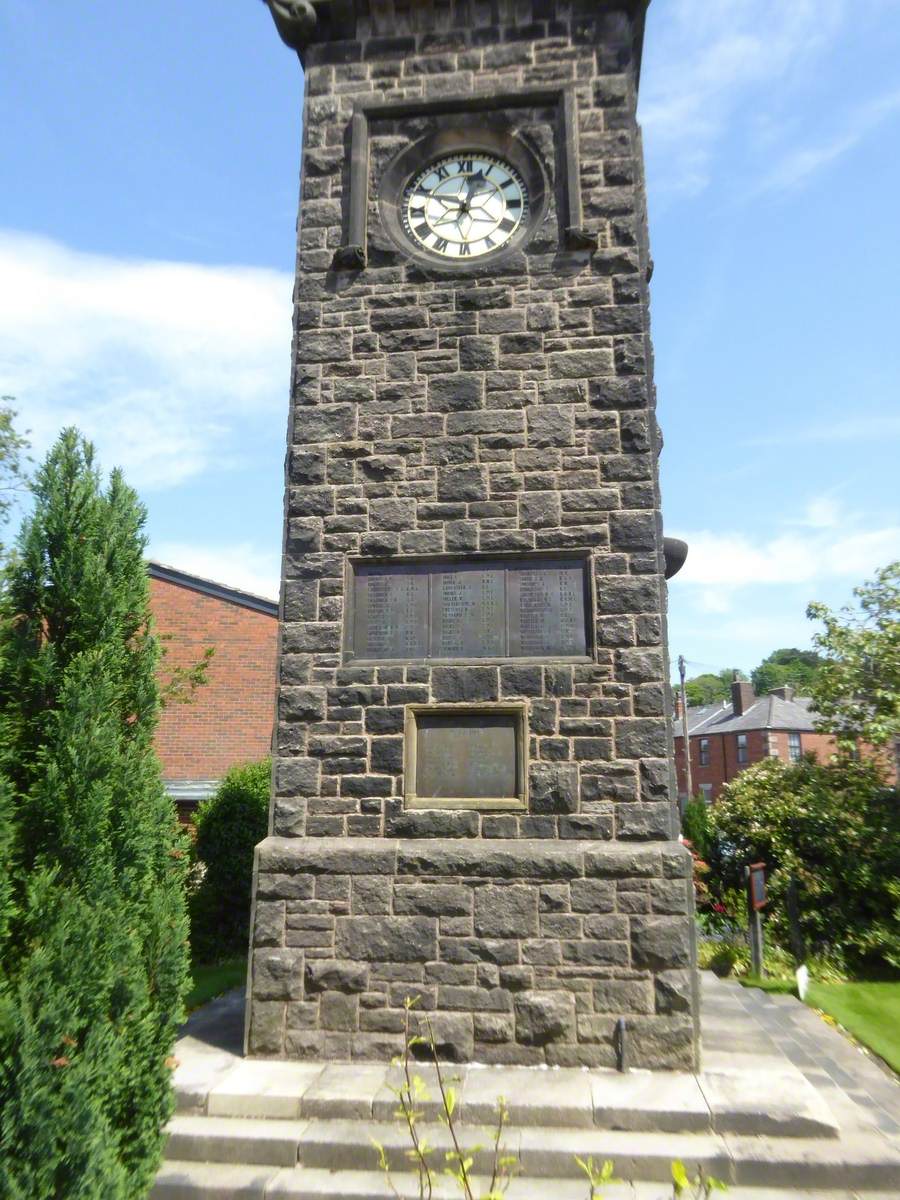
502	410
506	410
519	952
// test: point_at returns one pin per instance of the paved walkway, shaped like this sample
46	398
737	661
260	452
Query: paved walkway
744	1023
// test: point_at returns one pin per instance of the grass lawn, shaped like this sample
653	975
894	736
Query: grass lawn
870	1011
782	986
209	980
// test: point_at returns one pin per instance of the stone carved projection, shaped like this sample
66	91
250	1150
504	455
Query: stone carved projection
526	608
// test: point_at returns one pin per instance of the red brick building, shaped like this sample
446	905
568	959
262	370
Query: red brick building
230	718
725	738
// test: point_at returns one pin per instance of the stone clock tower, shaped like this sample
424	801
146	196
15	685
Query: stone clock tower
473	792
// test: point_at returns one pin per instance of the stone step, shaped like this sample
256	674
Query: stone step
863	1160
777	1101
205	1181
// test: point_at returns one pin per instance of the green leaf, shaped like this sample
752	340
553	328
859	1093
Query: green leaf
679	1177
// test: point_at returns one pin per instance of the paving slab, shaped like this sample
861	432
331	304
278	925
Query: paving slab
670	1102
533	1097
262	1088
370	1185
782	1103
211	1181
231	1140
862	1161
199	1069
429	1102
345	1090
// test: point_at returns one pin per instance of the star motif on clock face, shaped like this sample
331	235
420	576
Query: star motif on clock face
464	205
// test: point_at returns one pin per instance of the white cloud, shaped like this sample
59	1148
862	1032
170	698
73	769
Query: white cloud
707	57
799	164
737	597
240	565
742	80
728	561
863	428
159	363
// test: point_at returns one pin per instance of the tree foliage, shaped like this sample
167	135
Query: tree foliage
93	947
857	691
229	826
834	829
787	667
710	687
12	458
695	825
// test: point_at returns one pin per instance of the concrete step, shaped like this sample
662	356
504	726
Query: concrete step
778	1101
203	1181
861	1160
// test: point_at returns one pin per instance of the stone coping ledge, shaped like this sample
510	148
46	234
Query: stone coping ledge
492	859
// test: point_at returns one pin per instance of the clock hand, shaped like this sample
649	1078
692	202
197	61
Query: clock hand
471	185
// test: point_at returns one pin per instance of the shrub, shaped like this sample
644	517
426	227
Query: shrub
695	825
229	826
834	829
93	934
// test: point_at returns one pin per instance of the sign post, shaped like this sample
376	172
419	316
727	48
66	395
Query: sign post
755	881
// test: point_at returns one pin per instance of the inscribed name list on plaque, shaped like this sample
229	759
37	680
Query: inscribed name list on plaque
479	608
465	757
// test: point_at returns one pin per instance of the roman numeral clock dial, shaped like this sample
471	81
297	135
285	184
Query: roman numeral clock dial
464	206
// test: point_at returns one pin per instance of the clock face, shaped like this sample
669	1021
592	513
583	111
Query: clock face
464	205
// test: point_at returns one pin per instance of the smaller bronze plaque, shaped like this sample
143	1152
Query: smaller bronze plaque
465	757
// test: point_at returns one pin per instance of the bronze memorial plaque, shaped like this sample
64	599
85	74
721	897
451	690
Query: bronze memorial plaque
480	608
463	756
390	613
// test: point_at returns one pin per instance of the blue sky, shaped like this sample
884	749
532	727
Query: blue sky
150	158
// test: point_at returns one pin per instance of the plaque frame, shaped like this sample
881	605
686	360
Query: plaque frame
584	556
413	802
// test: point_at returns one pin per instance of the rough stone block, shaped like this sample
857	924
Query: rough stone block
543	1017
553	787
550	425
386	939
506	912
331	975
277	974
660	942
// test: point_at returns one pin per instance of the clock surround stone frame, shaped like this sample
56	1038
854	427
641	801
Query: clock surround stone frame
352	254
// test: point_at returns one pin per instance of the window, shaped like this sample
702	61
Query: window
706	792
704	752
794	751
742	748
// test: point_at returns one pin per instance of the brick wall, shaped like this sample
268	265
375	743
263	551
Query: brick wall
230	719
723	762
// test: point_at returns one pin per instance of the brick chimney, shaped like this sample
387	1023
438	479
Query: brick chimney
742	696
786	692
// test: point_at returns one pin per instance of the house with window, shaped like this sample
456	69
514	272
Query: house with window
727	737
228	720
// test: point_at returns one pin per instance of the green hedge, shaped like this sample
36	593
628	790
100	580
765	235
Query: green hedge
229	825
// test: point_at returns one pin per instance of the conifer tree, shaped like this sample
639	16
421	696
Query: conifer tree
93	932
